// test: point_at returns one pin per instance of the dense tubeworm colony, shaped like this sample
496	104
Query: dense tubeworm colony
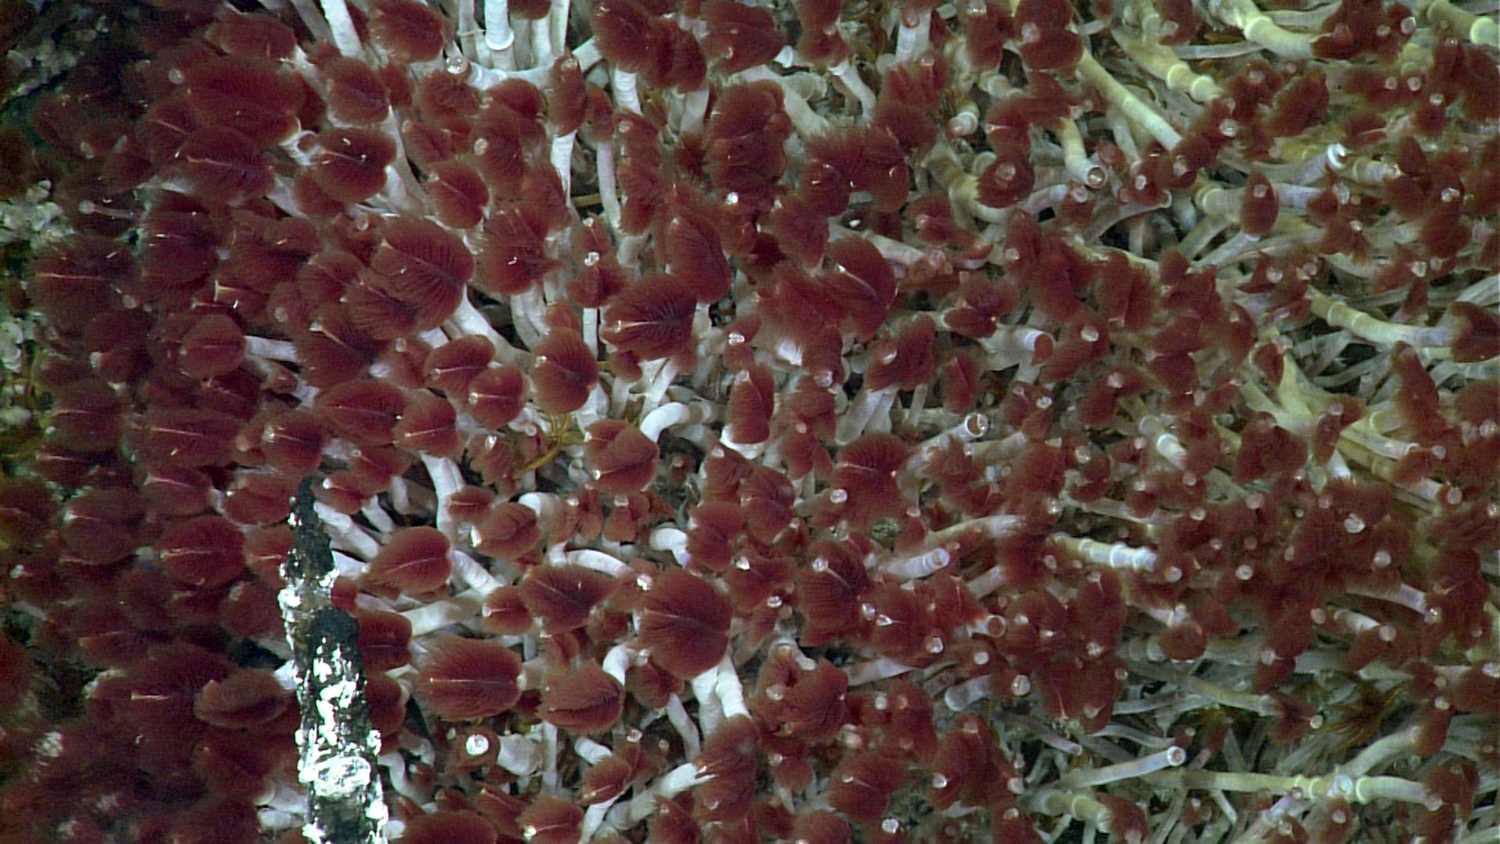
740	421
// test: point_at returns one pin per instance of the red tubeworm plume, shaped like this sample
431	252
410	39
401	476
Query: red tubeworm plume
909	95
351	166
1047	38
428	425
743	143
910	728
866	471
801	231
469	679
601	275
497	395
236	762
408	30
71	285
751	403
729	761
799	305
1478	333
215	345
220	162
446	96
673	823
325	277
1417	399
863	279
988	30
755	578
1267	449
452	367
414	560
245	698
815	703
628	32
231	821
766	498
505	613
652	318
583	699
562	597
500	809
252	36
862	785
453	827
25	511
424	266
551	820
685	625
250	96
694	254
567	95
820	39
904	628
505	140
606	780
205	552
909	360
623	459
495	459
564	373
714	526
508	531
821	827
511	256
354	91
15	671
458	194
162	685
831	590
384	639
546	204
1258	205
364	412
740	36
88	417
833	168
1303	103
187	437
257	497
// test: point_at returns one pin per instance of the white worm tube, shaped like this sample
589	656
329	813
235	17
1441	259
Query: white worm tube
345	533
729	690
671	784
668	538
882	668
618	661
919	566
626	95
498	35
1169	758
519	755
710	713
1115	555
673	414
261	347
599	561
447	480
439	614
341	25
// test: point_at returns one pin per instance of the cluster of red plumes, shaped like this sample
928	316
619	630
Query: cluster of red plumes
726	433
